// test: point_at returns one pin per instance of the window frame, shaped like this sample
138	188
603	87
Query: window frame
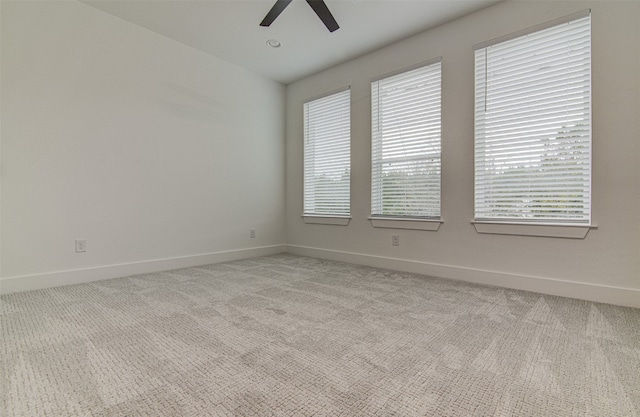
330	218
406	221
525	226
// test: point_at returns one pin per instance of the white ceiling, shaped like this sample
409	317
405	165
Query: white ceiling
229	29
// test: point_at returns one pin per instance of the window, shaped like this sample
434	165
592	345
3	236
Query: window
327	155
405	149
533	126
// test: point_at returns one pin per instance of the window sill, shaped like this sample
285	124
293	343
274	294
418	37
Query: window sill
331	220
411	224
567	231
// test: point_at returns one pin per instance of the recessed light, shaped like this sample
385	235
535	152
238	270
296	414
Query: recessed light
274	43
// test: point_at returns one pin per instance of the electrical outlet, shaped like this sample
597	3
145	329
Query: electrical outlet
81	245
252	233
395	240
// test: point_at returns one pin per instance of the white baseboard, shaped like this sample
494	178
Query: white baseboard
584	291
77	276
592	292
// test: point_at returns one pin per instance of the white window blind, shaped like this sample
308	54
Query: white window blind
327	155
533	126
405	151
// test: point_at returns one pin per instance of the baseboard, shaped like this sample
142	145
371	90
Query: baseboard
77	276
592	292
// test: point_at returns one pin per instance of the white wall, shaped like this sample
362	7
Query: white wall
604	266
112	133
158	155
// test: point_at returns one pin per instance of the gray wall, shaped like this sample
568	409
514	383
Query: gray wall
604	266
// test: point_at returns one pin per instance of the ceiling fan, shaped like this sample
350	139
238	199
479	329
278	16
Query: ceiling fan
318	6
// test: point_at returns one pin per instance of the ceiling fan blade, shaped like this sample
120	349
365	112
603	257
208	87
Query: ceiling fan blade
324	14
274	12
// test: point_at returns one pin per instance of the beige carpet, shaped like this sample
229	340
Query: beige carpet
294	336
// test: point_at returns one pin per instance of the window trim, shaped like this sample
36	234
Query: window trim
407	222
330	220
527	227
317	218
568	231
